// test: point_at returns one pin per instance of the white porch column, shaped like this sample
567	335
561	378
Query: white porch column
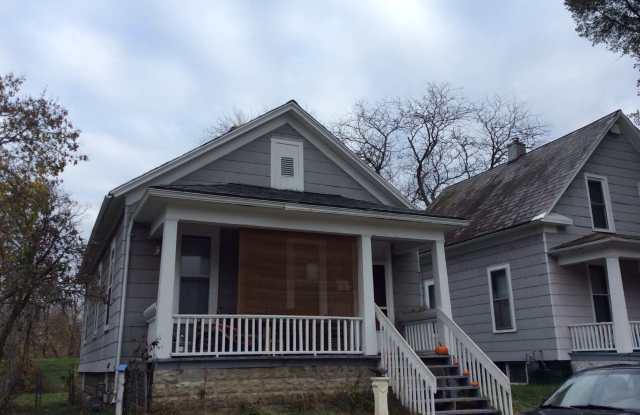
441	278
164	309
621	328
441	283
365	296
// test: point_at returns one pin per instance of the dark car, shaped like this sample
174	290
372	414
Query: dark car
596	391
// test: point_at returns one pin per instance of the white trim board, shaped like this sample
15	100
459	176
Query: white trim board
290	113
604	182
507	269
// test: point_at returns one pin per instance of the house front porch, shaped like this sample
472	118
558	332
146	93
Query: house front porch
607	303
260	279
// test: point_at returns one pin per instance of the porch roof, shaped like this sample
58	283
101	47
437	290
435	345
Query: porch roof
596	245
305	198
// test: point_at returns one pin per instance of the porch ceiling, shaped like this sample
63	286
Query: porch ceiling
595	246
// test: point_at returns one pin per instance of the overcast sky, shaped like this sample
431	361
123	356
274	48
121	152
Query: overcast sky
143	80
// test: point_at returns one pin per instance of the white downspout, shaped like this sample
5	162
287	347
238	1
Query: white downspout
123	300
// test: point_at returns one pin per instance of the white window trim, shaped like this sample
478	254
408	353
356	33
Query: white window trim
425	293
507	268
607	202
213	234
276	177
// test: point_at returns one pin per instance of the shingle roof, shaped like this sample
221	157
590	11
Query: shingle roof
514	193
309	198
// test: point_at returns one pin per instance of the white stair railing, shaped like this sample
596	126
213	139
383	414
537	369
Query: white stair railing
592	337
422	335
411	380
493	383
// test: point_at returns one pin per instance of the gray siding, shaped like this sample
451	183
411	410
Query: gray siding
98	349
616	159
407	290
467	267
142	290
251	165
620	163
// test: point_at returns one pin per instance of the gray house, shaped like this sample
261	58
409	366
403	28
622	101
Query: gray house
548	270
271	264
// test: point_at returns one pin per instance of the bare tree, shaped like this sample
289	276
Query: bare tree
439	151
499	121
373	131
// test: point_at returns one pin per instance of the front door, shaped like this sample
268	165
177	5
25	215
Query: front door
380	287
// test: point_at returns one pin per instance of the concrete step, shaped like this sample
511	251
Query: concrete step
449	404
483	411
460	391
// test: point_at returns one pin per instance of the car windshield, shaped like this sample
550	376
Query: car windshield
615	389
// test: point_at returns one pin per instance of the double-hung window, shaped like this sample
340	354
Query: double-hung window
194	275
501	296
599	293
599	203
429	294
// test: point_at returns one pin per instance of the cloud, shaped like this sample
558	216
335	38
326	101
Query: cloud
144	79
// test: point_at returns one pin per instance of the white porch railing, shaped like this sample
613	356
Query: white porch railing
422	335
235	334
635	334
494	384
591	337
150	316
411	381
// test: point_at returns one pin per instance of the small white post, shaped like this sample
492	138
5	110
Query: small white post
380	386
164	309
621	327
365	295
441	281
120	373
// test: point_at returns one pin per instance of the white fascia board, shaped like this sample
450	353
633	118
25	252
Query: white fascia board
584	161
552	218
305	208
253	131
355	159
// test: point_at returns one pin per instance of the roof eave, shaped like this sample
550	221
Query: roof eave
449	223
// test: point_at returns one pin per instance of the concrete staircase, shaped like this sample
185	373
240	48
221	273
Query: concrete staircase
455	394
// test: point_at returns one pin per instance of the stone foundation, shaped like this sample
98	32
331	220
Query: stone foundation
223	389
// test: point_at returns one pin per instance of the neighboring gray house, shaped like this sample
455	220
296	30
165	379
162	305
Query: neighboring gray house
249	268
548	268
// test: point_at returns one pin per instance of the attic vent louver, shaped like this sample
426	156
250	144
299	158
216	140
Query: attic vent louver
286	166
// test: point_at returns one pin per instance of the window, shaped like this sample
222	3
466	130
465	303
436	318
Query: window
194	275
287	170
599	293
109	277
429	290
501	296
96	304
600	203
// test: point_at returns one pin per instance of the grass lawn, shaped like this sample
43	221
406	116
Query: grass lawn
526	397
55	370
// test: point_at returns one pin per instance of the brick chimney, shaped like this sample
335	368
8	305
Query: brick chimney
516	149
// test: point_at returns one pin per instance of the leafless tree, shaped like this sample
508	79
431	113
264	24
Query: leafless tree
373	132
439	150
498	122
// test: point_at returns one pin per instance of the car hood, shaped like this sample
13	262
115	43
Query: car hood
572	411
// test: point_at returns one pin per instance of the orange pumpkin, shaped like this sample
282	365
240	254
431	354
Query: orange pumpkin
465	372
475	383
441	349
